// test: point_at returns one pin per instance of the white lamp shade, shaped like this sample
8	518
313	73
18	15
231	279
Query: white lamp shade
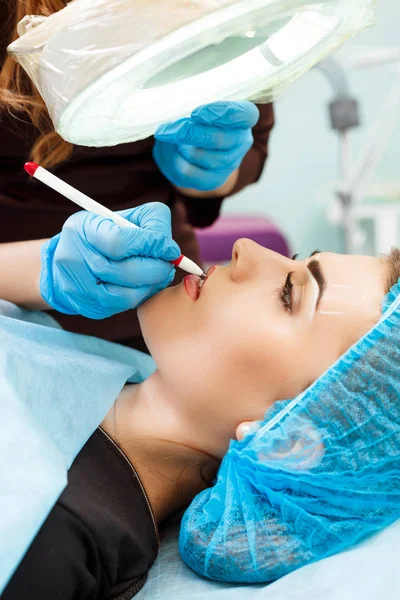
111	71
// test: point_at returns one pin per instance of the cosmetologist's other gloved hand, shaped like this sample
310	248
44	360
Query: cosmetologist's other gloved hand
202	151
97	269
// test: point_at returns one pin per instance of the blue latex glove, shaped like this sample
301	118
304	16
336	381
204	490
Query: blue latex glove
202	151
97	269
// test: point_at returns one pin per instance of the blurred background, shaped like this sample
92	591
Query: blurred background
297	187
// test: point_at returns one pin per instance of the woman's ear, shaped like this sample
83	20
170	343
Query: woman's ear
246	428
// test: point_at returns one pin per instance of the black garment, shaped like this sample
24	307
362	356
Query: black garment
99	541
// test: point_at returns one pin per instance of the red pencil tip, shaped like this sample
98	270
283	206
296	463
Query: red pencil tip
30	167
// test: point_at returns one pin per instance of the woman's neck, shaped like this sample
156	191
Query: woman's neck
146	428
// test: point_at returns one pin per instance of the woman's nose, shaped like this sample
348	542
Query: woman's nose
245	259
250	260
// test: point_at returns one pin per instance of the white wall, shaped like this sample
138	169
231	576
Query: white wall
304	151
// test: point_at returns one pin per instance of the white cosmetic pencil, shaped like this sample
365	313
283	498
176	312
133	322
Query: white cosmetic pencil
57	184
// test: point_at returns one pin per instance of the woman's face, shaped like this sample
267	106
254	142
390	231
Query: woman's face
261	329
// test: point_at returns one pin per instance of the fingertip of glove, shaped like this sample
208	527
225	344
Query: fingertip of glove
207	113
254	113
161	131
173	253
155	289
228	113
171	277
167	131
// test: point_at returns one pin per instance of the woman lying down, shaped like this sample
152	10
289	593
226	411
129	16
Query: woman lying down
305	483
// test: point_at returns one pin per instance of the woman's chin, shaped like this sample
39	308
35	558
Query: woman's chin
156	310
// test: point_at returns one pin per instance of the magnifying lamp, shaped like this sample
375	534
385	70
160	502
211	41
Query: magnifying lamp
111	71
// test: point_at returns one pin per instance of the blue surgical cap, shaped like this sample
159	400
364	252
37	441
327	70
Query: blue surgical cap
321	474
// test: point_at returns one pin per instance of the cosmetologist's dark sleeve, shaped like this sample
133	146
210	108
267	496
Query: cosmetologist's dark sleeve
203	212
61	564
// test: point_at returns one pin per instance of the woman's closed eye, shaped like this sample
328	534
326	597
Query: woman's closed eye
286	293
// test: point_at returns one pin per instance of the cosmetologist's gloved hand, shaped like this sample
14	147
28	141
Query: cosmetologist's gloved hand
97	269
202	151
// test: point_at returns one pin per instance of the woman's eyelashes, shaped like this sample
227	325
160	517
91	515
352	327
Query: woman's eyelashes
286	293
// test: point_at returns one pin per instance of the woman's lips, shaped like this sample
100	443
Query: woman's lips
193	285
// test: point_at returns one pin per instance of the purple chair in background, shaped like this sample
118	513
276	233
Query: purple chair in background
216	241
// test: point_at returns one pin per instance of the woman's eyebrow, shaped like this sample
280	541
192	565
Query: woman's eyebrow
316	271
